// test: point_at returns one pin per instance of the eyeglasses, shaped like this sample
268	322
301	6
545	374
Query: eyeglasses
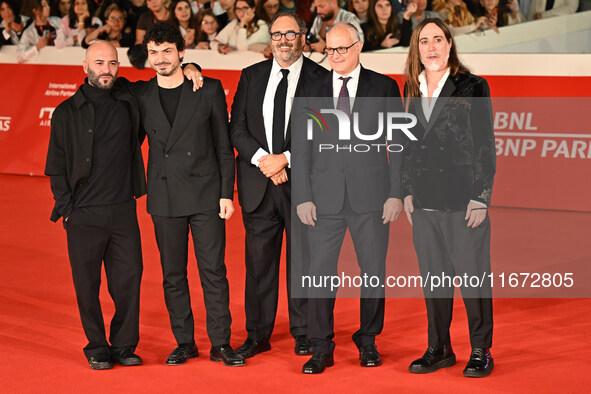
340	50
242	9
289	36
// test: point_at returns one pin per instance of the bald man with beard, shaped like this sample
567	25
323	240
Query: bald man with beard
96	169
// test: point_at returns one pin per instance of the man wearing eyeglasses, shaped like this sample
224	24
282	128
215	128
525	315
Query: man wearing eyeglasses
348	190
260	132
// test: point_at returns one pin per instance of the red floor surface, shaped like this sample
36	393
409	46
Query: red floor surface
540	345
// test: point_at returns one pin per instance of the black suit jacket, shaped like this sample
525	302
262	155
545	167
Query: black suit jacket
191	164
454	160
368	178
247	129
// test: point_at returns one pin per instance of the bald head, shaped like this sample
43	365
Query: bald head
101	65
344	28
101	48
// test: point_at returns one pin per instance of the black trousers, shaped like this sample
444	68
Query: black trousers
109	234
370	239
264	238
209	239
446	246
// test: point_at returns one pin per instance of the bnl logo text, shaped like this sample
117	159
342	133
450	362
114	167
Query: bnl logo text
390	119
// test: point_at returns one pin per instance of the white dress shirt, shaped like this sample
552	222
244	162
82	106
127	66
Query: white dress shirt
427	104
268	104
337	84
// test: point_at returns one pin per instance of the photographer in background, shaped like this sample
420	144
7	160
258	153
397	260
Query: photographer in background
12	24
327	14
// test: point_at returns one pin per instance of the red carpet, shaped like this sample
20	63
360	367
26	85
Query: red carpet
540	345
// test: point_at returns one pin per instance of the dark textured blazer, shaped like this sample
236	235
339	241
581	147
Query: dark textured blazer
454	160
247	129
369	178
191	164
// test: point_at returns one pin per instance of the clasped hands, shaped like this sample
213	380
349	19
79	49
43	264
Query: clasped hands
273	166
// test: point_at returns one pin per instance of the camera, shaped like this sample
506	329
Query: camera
311	38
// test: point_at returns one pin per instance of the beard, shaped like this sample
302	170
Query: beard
436	65
327	17
291	56
95	80
165	72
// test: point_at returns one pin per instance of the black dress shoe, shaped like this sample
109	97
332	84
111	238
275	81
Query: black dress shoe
369	356
318	363
126	357
480	365
433	359
226	354
250	347
182	353
100	361
303	345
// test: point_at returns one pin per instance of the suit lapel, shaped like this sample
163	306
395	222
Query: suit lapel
188	103
259	87
448	88
306	76
417	105
161	122
363	86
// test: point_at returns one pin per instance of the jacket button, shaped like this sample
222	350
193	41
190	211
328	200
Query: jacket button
166	155
164	178
90	130
441	170
88	160
154	131
441	148
423	146
188	153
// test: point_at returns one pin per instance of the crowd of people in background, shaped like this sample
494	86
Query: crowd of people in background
242	25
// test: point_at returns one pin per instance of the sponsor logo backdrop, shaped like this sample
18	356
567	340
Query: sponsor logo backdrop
543	147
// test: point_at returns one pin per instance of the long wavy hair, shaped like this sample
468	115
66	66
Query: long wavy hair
200	34
375	31
253	26
414	66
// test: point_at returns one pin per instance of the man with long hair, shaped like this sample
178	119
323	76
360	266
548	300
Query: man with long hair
447	181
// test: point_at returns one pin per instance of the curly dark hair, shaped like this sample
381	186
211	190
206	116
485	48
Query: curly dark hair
162	32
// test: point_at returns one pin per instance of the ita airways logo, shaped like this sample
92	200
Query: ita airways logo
387	124
45	115
5	123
